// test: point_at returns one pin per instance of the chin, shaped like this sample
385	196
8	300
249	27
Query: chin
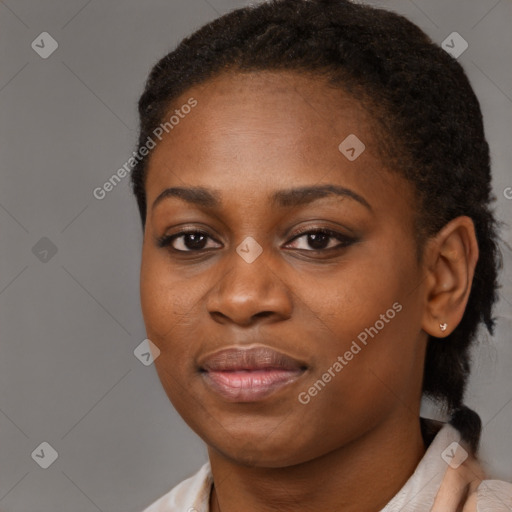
260	444
254	457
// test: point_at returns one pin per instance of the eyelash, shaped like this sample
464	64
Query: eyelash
344	240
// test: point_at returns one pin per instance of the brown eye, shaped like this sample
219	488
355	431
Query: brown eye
186	241
321	239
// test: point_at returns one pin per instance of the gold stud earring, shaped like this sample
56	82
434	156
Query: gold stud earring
443	327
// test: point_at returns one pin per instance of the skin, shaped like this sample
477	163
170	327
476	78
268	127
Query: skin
354	445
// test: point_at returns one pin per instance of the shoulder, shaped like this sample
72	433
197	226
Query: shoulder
495	495
190	495
450	479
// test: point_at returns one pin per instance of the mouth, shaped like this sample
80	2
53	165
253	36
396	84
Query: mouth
249	374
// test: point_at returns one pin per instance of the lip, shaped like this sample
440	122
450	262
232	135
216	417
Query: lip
249	374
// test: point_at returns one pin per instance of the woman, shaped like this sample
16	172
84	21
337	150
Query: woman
318	254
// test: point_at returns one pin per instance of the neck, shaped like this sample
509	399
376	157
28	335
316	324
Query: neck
361	476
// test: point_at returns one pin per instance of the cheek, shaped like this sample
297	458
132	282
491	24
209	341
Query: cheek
165	296
365	297
374	315
167	304
358	383
165	301
154	296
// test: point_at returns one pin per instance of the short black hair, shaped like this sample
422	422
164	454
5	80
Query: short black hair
425	112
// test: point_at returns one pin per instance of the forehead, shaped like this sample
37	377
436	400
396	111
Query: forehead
265	130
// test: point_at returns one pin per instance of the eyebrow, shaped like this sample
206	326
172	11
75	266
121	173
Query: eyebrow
206	198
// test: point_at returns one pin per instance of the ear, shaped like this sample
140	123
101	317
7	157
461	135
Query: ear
450	260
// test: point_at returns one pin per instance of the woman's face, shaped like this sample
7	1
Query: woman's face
277	346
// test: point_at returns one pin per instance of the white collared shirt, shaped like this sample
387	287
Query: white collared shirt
417	494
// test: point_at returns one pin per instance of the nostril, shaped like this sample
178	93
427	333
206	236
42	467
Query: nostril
263	314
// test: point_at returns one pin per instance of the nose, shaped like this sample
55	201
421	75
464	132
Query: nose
249	292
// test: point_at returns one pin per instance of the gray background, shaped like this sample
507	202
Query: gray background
69	325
